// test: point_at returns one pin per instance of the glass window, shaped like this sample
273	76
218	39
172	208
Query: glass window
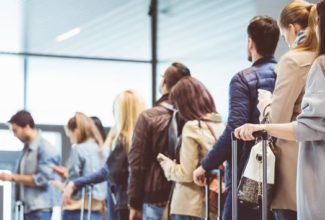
11	86
59	87
213	45
119	29
55	138
10	25
8	142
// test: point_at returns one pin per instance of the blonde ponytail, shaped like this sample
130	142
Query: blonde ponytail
302	13
310	42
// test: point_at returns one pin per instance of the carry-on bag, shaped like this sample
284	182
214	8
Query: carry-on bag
82	209
263	159
208	193
19	211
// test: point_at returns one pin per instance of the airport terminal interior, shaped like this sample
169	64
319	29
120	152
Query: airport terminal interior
59	57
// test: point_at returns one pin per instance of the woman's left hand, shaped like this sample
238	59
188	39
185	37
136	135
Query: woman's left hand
245	132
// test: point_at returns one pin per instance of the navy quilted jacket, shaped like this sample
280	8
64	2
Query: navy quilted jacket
242	109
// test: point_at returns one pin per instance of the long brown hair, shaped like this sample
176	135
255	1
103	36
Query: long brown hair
321	27
86	129
192	99
302	13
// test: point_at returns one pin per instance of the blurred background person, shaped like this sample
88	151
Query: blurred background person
34	170
127	107
86	157
62	170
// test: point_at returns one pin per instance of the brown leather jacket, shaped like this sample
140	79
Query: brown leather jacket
147	183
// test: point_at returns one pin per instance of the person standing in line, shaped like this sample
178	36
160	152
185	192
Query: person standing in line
63	172
309	130
148	189
86	157
127	107
203	125
285	104
263	36
34	171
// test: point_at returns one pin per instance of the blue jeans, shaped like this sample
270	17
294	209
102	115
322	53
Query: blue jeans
184	217
38	215
75	215
285	214
151	212
244	213
111	213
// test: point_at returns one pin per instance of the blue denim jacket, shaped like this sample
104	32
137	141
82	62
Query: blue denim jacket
86	158
115	172
37	160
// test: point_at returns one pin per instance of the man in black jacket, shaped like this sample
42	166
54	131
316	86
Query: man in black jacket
263	36
148	189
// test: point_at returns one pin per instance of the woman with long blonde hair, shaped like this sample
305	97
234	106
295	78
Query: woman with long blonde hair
86	156
127	107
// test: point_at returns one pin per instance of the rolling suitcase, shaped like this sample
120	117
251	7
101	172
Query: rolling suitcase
235	179
82	209
19	211
213	173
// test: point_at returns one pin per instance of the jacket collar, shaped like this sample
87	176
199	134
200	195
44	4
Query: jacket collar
213	117
164	98
34	145
264	60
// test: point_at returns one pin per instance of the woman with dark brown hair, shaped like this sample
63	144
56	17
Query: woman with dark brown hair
203	126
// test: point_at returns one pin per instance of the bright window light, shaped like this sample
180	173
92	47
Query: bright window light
68	34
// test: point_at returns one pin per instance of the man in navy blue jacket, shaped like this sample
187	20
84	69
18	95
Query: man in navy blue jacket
263	36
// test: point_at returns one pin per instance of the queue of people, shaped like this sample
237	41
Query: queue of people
153	162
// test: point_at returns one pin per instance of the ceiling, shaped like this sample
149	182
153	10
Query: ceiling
109	28
195	29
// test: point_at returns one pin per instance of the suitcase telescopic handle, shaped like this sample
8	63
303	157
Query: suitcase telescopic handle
234	173
213	173
262	134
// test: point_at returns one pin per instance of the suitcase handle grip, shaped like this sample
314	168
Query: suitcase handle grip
262	134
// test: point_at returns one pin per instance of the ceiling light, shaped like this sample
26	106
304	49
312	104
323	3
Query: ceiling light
68	34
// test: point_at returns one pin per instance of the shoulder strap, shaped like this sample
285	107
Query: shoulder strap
173	138
211	130
167	106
